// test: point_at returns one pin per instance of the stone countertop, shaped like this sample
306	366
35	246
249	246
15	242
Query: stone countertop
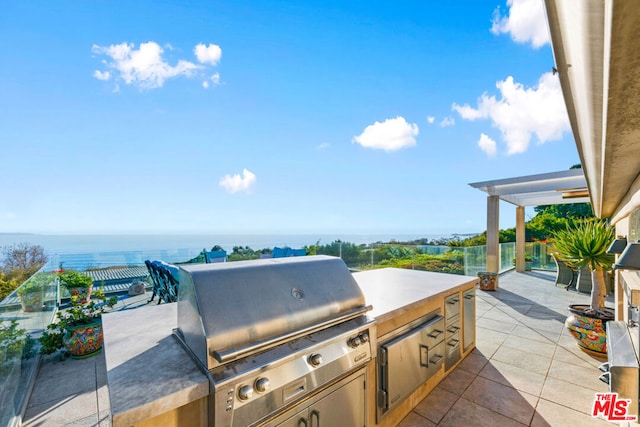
148	371
392	291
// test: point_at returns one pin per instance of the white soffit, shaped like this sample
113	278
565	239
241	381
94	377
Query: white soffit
554	188
595	46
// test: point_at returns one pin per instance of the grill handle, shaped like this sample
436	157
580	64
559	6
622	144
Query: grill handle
227	355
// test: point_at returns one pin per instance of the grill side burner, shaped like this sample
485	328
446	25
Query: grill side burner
272	333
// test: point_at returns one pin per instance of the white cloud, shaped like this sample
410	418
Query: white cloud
208	54
146	67
323	146
526	22
521	112
487	145
102	75
431	119
236	183
390	135
447	121
215	79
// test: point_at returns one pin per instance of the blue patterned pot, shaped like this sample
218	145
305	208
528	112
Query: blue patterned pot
84	341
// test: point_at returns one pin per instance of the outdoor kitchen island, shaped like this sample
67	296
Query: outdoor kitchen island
425	326
152	380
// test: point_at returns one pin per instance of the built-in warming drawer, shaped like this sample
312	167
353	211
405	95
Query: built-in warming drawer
406	361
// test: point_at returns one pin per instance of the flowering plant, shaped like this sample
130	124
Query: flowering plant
77	314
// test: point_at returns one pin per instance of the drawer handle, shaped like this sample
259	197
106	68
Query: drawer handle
453	342
453	329
454	302
436	359
435	333
605	377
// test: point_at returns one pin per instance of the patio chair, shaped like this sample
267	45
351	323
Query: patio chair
565	275
165	286
584	283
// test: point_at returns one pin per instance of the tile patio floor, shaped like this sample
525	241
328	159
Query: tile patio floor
525	371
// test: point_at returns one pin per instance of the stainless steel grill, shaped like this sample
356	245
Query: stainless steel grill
269	333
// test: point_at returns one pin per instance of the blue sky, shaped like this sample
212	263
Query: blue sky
272	116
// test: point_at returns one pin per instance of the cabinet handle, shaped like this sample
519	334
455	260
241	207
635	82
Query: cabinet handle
435	334
316	414
302	422
436	359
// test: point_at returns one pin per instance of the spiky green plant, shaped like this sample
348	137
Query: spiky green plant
585	244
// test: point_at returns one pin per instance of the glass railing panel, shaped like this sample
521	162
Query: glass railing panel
24	314
475	260
507	256
540	253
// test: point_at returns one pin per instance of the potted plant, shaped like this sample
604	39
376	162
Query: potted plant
584	245
32	291
79	285
528	262
78	329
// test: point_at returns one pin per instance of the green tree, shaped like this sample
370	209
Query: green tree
18	263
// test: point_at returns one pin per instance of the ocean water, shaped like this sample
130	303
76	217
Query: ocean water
94	251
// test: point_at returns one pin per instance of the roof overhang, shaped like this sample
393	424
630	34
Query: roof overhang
553	188
597	53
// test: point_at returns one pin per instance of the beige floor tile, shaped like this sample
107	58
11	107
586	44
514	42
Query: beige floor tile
457	381
573	354
582	376
549	414
502	399
414	420
473	363
555	326
531	346
532	333
467	413
523	359
500	315
495	325
435	406
570	395
513	376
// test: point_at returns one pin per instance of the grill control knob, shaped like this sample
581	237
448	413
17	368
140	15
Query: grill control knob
355	341
364	337
315	359
245	392
261	385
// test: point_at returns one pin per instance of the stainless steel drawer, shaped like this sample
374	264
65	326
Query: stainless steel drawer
452	306
407	361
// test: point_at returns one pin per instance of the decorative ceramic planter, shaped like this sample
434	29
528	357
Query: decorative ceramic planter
528	265
84	341
83	294
590	332
488	281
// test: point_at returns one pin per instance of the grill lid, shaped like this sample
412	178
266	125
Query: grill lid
226	310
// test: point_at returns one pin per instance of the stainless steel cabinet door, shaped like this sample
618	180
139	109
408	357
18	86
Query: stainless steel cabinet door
344	407
469	321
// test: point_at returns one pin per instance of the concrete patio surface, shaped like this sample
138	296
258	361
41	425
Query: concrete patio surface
525	371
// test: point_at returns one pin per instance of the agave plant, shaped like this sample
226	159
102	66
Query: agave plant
585	244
